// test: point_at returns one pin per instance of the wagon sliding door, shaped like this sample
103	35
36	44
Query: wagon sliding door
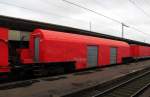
113	55
92	56
36	49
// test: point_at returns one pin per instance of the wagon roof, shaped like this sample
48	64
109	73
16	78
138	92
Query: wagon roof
69	37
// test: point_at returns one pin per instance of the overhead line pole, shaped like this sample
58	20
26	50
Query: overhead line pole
123	25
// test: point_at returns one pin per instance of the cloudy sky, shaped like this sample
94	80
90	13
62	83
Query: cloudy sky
134	13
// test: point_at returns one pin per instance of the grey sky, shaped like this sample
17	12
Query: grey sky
59	12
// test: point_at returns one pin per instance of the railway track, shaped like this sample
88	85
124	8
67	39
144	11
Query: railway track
5	81
131	85
129	88
96	91
27	82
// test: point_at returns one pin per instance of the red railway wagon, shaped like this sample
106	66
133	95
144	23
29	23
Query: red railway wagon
47	50
4	65
85	51
138	51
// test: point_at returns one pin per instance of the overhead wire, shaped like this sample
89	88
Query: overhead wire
141	9
117	21
92	11
37	11
75	4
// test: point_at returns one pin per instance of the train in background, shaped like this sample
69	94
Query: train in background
49	51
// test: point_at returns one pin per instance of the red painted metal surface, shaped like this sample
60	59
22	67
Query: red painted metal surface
139	51
25	56
4	66
62	47
57	46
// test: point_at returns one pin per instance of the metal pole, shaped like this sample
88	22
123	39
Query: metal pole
90	25
123	25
